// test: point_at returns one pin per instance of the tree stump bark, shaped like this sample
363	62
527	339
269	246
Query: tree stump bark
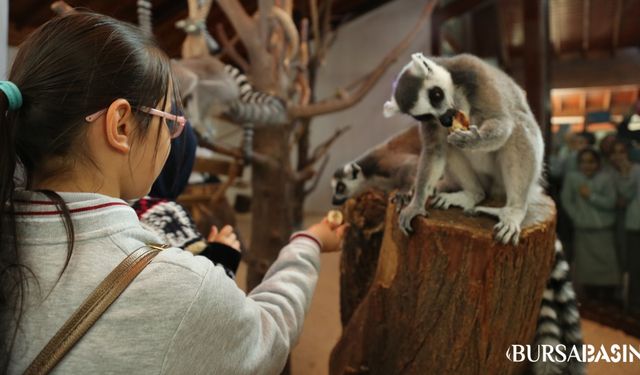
446	300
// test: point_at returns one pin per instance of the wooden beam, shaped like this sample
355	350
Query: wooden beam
451	10
452	41
607	99
536	31
586	10
459	7
436	37
503	36
16	36
617	21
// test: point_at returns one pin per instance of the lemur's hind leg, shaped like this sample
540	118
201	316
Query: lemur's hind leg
471	193
520	170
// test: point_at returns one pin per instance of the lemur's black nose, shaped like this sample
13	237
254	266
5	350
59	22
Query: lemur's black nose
447	119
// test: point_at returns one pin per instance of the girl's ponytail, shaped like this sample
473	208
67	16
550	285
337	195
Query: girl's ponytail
10	271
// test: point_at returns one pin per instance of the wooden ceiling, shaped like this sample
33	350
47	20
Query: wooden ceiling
26	15
494	28
580	26
577	28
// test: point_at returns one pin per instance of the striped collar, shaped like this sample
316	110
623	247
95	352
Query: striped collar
93	215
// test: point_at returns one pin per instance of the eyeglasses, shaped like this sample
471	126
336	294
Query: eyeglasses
174	122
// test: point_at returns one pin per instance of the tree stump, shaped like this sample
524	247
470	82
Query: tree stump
446	300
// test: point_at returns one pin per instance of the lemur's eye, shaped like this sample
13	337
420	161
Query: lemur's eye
436	95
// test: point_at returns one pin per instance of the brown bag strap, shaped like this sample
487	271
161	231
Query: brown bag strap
92	308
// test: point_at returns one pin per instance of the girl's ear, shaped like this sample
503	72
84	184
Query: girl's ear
119	125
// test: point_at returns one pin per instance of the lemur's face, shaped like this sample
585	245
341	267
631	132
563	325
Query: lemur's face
345	182
423	90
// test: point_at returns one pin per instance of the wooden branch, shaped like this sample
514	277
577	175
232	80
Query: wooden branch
304	44
307	171
315	24
290	31
265	160
229	49
324	147
318	175
287	5
246	28
216	147
265	7
337	104
326	37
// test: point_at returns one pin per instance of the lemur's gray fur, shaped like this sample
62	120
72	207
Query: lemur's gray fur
215	88
501	154
388	166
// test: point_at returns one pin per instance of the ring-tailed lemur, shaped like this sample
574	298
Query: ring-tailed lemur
559	320
389	166
255	106
144	16
500	154
215	88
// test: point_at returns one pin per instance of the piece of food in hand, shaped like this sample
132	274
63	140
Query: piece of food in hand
335	218
460	122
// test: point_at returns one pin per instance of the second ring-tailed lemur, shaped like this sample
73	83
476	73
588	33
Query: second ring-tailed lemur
388	166
501	153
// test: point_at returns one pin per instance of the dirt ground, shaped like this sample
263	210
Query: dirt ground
322	325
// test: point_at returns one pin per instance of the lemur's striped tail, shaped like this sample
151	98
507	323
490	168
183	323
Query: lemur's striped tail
559	321
144	16
253	106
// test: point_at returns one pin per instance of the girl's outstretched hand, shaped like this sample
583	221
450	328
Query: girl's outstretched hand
225	236
330	235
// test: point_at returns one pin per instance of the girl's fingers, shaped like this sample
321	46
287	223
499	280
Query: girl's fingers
236	245
226	230
212	234
341	229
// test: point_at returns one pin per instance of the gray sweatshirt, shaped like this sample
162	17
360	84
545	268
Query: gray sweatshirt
181	315
595	212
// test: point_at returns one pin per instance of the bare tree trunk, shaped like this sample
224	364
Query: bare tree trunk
271	206
299	193
447	300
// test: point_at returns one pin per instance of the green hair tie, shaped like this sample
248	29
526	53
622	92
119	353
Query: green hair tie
13	94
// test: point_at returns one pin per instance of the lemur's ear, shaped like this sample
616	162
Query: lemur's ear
355	170
420	64
390	108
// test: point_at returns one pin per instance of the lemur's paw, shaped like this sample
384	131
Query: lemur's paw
401	199
507	231
460	199
464	138
407	215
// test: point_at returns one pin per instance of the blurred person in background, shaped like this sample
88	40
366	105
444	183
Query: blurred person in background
627	181
589	199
